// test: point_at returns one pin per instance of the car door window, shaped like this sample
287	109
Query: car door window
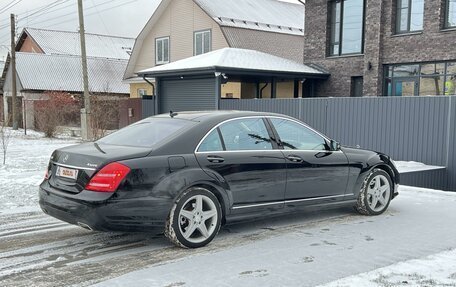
295	136
246	134
211	143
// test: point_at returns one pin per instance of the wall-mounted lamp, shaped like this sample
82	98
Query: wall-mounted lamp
369	65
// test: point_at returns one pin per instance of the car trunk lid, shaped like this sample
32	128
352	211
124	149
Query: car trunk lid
71	168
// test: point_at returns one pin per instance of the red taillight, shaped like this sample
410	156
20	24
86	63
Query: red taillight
46	175
108	178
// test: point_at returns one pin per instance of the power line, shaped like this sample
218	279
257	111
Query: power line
72	13
101	18
9	5
45	8
90	14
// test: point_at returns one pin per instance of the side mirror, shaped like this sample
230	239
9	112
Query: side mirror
335	146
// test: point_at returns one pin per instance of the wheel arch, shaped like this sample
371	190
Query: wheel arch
387	169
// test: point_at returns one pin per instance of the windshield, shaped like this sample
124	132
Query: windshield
147	133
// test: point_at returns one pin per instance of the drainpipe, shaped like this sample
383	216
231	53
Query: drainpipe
153	94
304	27
150	83
261	91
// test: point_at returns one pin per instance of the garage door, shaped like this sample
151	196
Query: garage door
187	95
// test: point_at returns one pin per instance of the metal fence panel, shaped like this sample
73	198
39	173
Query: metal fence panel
419	129
148	106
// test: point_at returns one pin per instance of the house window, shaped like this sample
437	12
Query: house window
202	42
409	16
426	79
142	92
346	27
162	50
450	18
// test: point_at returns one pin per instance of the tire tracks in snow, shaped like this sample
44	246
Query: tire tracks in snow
40	251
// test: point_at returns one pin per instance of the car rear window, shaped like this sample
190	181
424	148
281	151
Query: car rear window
146	133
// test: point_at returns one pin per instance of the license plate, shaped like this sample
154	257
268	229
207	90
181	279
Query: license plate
67	172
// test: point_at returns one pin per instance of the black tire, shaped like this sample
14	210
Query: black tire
173	227
363	204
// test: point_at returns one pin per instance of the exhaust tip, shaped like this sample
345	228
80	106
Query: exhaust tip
85	226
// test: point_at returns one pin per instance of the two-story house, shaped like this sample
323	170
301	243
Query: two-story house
382	47
180	29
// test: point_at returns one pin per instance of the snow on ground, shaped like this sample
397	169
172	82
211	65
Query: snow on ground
412	166
317	248
434	270
26	161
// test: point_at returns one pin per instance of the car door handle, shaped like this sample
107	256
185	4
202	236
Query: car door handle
295	158
215	159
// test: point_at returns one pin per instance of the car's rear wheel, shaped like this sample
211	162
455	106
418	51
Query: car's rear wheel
194	219
375	194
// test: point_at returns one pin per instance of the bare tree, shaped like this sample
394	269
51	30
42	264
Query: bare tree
5	138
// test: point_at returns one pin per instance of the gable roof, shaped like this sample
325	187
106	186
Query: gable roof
264	15
64	73
67	43
233	59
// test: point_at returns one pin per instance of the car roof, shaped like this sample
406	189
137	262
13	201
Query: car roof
200	116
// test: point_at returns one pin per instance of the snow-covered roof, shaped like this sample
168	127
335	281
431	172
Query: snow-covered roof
64	73
234	59
265	15
241	18
68	43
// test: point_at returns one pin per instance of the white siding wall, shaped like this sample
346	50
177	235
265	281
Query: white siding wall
180	19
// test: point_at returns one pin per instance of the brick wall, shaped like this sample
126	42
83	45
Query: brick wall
381	45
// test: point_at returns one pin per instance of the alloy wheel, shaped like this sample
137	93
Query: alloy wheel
198	218
378	193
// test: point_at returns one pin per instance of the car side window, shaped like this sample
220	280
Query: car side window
211	143
297	137
246	134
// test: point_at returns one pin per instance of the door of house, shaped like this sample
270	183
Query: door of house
405	87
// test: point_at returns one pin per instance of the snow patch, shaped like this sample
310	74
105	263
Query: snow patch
26	161
413	166
434	270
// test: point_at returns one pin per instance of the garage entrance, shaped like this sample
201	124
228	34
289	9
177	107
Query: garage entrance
187	95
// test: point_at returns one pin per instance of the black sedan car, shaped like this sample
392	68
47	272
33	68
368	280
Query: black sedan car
191	172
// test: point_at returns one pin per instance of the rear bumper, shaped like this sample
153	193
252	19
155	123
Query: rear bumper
139	214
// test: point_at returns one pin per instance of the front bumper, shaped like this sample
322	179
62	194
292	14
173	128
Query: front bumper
99	211
396	191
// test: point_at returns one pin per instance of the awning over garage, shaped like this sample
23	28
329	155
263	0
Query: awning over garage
199	82
236	61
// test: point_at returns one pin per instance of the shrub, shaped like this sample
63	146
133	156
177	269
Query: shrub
56	109
104	115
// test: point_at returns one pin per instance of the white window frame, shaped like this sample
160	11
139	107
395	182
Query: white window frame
204	33
157	61
142	92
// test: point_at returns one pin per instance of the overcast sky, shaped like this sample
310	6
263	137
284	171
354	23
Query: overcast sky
110	17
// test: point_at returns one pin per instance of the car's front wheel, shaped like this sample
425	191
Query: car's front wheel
375	194
194	219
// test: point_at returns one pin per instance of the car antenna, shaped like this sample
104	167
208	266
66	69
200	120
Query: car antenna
172	114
